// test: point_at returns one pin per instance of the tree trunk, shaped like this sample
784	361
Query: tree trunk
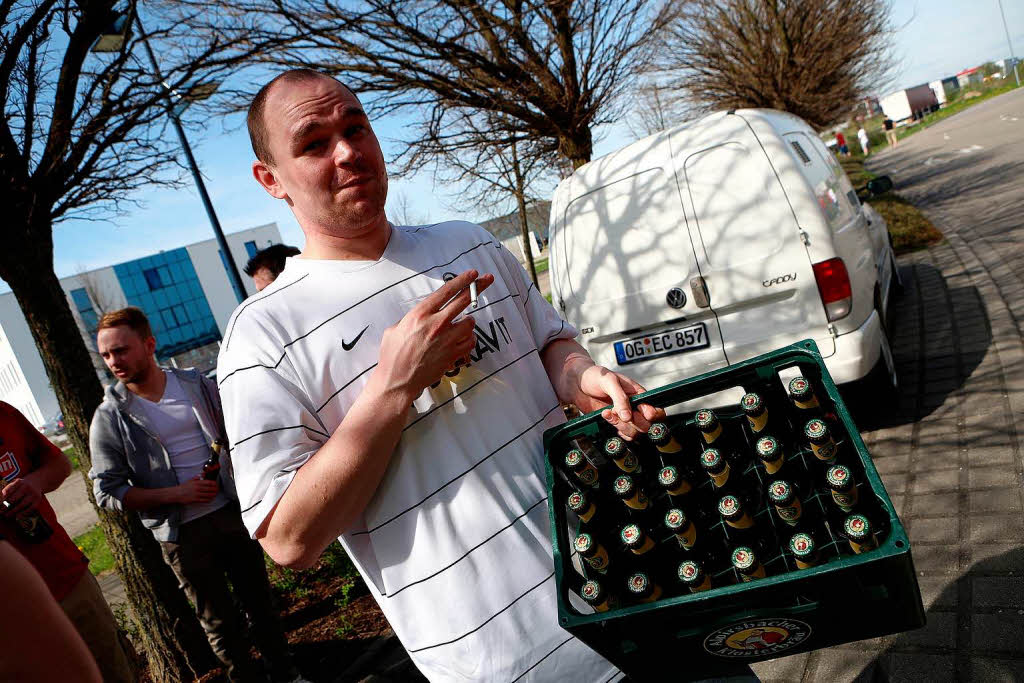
577	147
168	631
524	225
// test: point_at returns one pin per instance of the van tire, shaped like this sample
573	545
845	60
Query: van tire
881	384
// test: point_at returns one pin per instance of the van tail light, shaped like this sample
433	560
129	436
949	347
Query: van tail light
834	287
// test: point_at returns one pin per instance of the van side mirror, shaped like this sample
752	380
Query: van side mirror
880	185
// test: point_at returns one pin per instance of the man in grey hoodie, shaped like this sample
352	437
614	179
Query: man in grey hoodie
149	440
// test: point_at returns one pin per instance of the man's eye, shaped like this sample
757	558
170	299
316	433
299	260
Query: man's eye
312	145
354	130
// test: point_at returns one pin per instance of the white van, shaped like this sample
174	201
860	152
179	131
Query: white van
720	240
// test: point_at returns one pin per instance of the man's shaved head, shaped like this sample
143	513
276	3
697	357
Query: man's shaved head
255	120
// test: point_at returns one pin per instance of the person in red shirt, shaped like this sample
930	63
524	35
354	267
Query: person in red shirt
29	467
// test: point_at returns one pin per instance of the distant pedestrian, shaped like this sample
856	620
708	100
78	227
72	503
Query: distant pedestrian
862	135
890	132
31	466
841	141
267	264
149	440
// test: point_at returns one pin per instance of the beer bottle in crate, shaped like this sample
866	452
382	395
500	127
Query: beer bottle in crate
580	468
692	575
804	550
757	413
770	455
642	587
637	503
860	533
787	503
719	470
595	595
822	444
624	457
673	482
593	552
663	439
740	525
844	489
747	563
583	505
683	528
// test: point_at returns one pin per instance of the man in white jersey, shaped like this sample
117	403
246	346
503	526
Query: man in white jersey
364	403
149	440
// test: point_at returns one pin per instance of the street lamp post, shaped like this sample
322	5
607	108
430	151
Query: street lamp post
113	42
1009	42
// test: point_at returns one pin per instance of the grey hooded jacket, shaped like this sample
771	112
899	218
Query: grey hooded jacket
126	452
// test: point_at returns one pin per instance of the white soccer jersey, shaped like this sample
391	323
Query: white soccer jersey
455	543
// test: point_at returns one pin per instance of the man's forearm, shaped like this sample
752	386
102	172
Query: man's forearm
564	360
333	487
51	474
138	498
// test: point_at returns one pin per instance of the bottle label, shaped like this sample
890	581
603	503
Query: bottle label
825	452
864	546
628	463
672	446
721	478
687	538
791	514
705	585
710	438
645	547
638	501
744	522
774	466
757	424
756	574
600	560
681	489
587	514
588	475
809	404
846	501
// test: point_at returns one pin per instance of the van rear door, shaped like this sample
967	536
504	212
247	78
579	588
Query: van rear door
748	245
622	265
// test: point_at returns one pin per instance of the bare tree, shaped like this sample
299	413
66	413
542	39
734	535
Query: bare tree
80	134
401	211
813	58
553	67
655	110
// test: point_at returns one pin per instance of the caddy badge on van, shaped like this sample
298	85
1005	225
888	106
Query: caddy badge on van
676	298
777	280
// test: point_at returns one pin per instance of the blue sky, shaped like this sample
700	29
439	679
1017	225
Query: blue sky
936	38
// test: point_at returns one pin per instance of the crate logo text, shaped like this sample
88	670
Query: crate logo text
757	637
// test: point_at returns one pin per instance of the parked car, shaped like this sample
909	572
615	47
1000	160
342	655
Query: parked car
720	240
54	426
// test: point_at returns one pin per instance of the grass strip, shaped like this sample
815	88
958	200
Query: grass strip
94	544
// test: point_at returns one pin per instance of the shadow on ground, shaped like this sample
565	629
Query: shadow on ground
931	361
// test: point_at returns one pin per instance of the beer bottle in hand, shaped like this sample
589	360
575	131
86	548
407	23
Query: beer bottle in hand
211	468
30	525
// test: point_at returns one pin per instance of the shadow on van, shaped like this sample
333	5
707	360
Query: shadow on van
939	336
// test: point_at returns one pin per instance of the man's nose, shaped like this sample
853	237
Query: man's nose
345	152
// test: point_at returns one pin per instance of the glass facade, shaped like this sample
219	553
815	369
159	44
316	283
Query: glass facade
166	288
84	307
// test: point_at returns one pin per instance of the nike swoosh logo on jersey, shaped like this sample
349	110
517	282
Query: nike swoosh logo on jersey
348	347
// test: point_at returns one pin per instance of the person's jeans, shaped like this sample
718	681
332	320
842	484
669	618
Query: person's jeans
209	551
88	611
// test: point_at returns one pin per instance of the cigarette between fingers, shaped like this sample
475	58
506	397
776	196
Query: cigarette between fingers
472	295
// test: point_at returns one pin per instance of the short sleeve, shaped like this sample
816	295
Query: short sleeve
543	319
272	429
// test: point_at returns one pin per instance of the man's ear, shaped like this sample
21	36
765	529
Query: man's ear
266	177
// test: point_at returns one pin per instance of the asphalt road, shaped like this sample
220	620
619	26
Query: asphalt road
967	172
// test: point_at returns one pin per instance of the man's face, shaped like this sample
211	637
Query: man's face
327	162
126	353
262	277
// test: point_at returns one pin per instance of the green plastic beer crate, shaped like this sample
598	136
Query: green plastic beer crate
846	597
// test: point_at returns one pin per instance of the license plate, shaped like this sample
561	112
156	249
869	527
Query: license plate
662	344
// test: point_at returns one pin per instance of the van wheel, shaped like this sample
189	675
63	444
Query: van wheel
896	286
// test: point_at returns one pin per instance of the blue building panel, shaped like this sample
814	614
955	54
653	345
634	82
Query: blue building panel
165	286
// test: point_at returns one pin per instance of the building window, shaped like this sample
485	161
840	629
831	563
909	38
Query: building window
153	279
84	307
251	249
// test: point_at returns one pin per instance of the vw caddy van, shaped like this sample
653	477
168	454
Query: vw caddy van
720	240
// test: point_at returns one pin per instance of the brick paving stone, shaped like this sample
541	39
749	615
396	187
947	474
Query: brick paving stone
1001	454
842	665
992	670
996	500
892	464
936	559
989	477
934	529
930	481
998	591
916	667
938	591
783	669
997	558
995	528
1000	632
935	504
940	632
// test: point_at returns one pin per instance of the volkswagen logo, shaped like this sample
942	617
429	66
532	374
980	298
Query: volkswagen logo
676	298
